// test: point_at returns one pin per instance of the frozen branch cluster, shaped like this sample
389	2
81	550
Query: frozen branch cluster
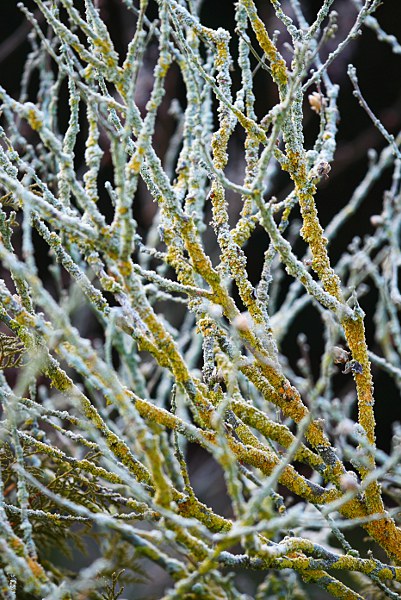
95	427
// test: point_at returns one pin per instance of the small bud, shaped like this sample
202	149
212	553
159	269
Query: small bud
345	427
340	355
316	101
353	366
349	482
241	322
323	169
217	376
376	220
215	311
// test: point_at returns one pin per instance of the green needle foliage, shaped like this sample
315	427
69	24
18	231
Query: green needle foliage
124	348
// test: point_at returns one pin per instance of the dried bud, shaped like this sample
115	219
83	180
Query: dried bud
323	169
340	355
353	366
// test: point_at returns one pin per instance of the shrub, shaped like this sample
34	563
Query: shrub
124	347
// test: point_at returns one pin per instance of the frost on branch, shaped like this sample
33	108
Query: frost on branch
126	344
